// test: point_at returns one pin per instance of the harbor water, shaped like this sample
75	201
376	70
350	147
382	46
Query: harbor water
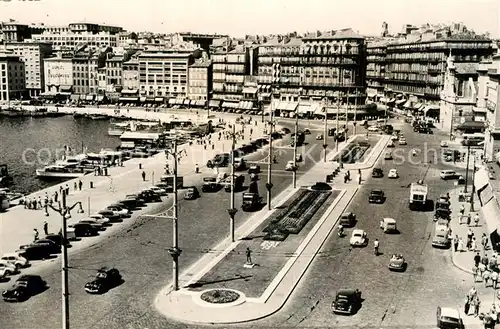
30	143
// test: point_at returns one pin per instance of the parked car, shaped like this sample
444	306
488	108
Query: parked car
16	259
25	287
358	238
158	190
448	174
57	239
377	173
388	156
347	301
298	158
191	193
8	268
254	169
210	184
319	137
101	219
111	215
53	247
84	229
307	131
347	219
376	196
289	166
130	203
119	210
444	144
373	128
402	141
397	263
94	223
448	317
105	279
391	144
35	251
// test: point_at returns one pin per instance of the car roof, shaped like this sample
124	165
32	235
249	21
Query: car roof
376	190
347	213
10	254
346	292
450	312
358	231
28	277
389	220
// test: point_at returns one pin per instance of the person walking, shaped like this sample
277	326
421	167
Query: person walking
36	234
484	241
45	227
468	220
486	278
481	269
143	176
462	210
476	220
80	184
467	305
477	304
75	186
494	279
473	244
455	242
474	273
477	259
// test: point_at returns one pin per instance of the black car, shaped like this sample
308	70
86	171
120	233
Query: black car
53	247
191	193
112	216
35	251
83	230
307	131
376	196
138	200
347	219
57	239
24	287
131	203
210	184
149	196
377	173
285	130
347	301
105	279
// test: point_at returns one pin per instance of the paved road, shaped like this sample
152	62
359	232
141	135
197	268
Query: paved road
139	252
391	299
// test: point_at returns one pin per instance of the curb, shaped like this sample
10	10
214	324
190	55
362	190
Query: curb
376	158
460	267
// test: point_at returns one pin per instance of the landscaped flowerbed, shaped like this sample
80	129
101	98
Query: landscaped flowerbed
353	152
220	296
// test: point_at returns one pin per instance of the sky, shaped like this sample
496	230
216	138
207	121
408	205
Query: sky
241	17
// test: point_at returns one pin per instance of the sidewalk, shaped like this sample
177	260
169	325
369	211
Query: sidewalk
186	306
464	260
17	223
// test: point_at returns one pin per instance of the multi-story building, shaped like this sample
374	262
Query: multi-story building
101	80
165	73
375	70
229	71
59	75
200	81
416	70
33	55
12	77
114	72
14	32
130	75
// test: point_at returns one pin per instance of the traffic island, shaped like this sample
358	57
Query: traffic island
358	150
265	255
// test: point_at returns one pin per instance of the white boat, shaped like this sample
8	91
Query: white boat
118	128
60	171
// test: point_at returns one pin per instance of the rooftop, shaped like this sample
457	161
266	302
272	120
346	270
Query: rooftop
284	42
339	34
202	63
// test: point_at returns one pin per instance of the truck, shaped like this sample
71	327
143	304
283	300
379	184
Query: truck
251	202
418	196
301	136
168	181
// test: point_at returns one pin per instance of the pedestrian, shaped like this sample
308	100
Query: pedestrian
476	220
470	234
486	278
484	241
45	228
484	260
477	304
473	244
75	186
474	273
196	168
80	184
494	279
472	293
143	176
468	219
67	189
462	209
481	268
36	234
477	259
39	202
359	179
55	196
467	305
455	242
213	146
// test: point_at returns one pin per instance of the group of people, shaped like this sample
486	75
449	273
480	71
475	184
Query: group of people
486	269
472	302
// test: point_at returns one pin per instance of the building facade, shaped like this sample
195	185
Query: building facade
12	77
14	32
130	76
33	55
416	70
375	70
489	100
114	72
165	73
70	40
59	74
200	80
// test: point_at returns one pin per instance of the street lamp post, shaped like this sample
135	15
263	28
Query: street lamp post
355	112
473	185
64	211
347	114
337	125
232	210
325	145
269	184
294	172
467	167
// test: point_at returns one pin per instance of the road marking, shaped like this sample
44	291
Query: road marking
266	245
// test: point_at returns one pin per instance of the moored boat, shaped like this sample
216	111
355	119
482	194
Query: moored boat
118	128
60	171
98	117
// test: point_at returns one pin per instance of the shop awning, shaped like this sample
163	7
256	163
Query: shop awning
89	97
471	125
158	99
428	108
407	104
150	99
127	99
214	103
401	101
185	102
200	102
171	101
287	106
65	88
417	106
75	97
142	99
304	108
479	109
129	91
249	90
265	95
392	100
241	105
100	98
230	105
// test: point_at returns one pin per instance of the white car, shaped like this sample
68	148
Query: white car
393	173
448	174
319	137
8	268
289	166
394	137
15	259
99	218
158	190
358	238
122	212
444	144
372	128
402	142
